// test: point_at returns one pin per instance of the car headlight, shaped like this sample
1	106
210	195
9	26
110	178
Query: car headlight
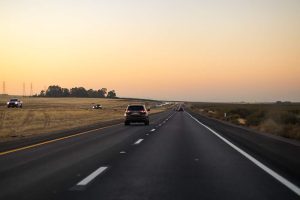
7	103
16	102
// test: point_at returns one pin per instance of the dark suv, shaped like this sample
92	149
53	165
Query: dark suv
136	113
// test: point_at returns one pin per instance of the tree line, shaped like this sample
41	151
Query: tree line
57	91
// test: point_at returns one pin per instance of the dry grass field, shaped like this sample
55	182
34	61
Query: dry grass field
43	115
281	119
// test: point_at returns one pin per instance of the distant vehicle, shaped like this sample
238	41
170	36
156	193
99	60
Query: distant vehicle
14	103
180	109
98	106
136	113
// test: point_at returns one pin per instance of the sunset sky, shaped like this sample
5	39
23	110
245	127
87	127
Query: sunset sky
197	50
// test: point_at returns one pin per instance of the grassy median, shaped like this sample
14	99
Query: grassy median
44	115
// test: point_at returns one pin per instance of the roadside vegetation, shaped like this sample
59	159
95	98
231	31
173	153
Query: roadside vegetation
44	115
280	118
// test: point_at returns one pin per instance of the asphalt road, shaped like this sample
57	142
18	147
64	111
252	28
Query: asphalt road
176	157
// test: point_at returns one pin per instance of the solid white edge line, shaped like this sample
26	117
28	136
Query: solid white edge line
92	176
275	175
138	141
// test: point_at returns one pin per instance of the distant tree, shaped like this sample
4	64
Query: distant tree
102	93
54	91
42	93
111	94
78	92
65	92
57	91
92	93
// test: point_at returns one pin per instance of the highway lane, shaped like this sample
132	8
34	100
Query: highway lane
174	158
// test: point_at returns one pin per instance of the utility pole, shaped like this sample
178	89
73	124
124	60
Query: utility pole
24	91
4	92
31	89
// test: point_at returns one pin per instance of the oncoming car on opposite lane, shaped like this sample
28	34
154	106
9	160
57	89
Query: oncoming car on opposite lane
15	103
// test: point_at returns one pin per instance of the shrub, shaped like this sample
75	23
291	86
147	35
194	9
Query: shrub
289	118
270	126
233	119
242	112
255	118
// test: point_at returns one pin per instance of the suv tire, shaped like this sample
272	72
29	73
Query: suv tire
127	123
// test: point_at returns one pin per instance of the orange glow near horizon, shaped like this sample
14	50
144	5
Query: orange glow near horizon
182	50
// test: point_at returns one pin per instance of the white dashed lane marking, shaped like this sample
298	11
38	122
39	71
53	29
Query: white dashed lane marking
138	141
92	176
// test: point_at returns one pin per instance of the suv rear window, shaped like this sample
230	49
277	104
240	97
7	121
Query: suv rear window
13	100
135	108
